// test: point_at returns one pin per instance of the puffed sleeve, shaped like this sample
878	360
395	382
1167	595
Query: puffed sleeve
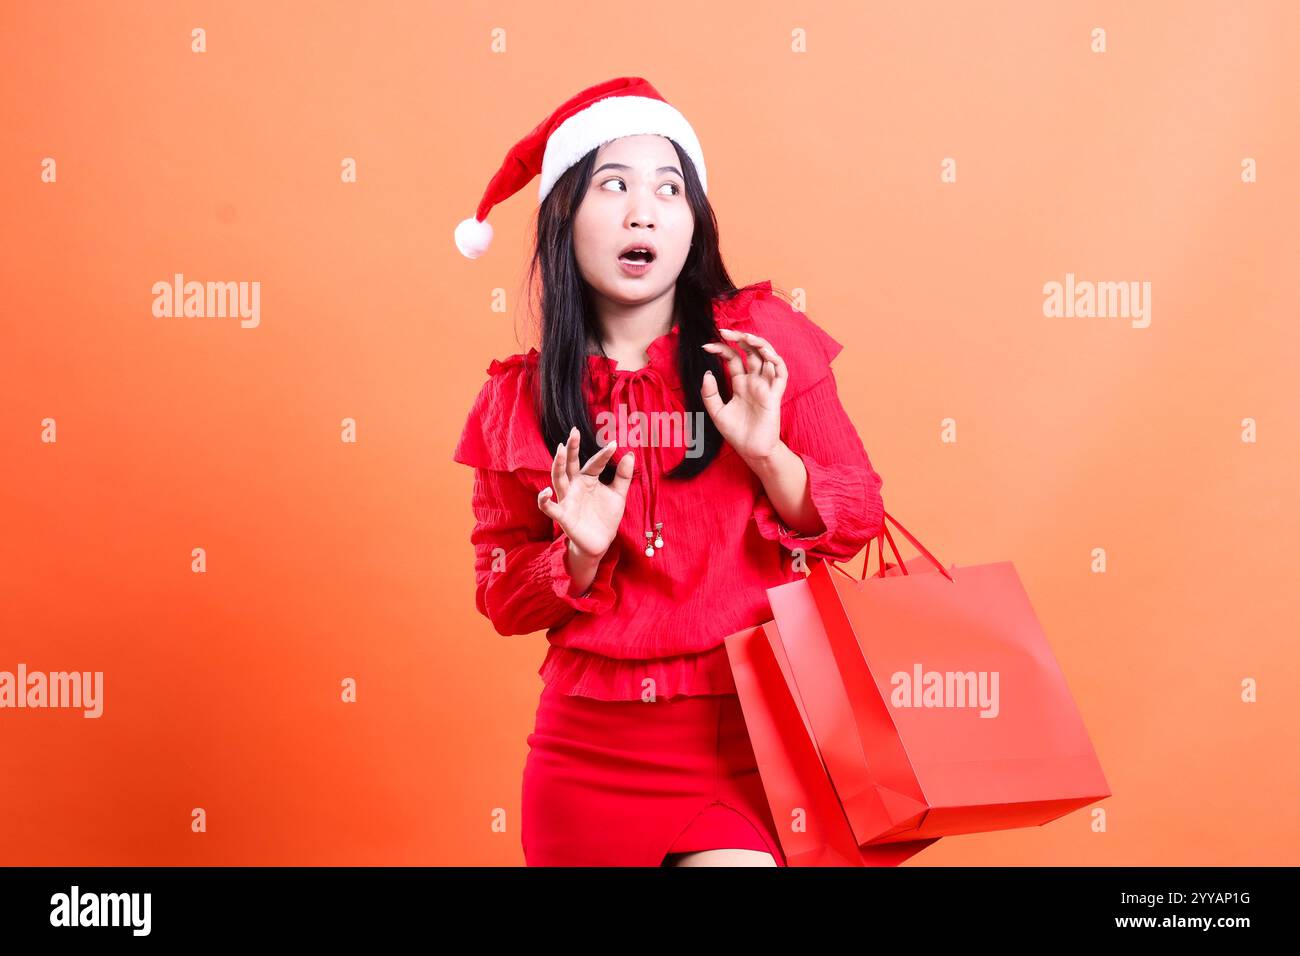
522	583
844	486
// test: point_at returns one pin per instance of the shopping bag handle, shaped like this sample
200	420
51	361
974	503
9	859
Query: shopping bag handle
881	537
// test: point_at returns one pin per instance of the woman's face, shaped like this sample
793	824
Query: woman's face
636	196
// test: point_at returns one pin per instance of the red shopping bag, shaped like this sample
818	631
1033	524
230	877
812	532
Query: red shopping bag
934	700
810	822
813	829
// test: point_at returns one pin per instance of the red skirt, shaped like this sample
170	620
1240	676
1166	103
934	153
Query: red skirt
624	783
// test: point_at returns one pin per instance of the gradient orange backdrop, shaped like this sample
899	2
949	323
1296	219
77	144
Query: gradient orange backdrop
329	560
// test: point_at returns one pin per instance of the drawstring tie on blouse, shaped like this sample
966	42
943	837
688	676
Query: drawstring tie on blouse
645	380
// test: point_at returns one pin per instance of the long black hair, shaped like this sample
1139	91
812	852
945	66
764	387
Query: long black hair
568	319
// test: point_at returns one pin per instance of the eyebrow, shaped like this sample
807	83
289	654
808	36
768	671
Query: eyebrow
661	169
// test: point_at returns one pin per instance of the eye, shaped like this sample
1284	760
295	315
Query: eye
676	190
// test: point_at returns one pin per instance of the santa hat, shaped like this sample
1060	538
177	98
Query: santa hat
626	106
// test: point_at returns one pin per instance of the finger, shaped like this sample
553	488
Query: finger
760	344
728	356
773	365
559	480
782	373
740	342
778	387
709	392
623	475
571	467
764	350
547	506
596	463
778	363
749	337
768	353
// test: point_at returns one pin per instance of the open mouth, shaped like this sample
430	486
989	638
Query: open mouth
637	255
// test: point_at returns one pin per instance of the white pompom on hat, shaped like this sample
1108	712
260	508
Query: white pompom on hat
625	106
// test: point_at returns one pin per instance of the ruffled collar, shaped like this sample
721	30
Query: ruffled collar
661	360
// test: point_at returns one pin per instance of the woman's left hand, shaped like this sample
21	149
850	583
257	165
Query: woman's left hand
751	421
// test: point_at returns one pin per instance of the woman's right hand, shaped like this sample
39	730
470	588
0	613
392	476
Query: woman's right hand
588	510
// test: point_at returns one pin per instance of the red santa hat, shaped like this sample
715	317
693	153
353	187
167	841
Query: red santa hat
625	106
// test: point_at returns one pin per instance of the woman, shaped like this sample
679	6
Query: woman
740	465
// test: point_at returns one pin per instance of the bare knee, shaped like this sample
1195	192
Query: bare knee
727	857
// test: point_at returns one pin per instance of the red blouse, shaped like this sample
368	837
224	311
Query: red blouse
661	618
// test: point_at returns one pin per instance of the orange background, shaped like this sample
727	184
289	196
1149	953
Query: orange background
329	560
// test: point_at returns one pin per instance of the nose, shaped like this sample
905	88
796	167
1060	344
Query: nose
637	220
640	210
